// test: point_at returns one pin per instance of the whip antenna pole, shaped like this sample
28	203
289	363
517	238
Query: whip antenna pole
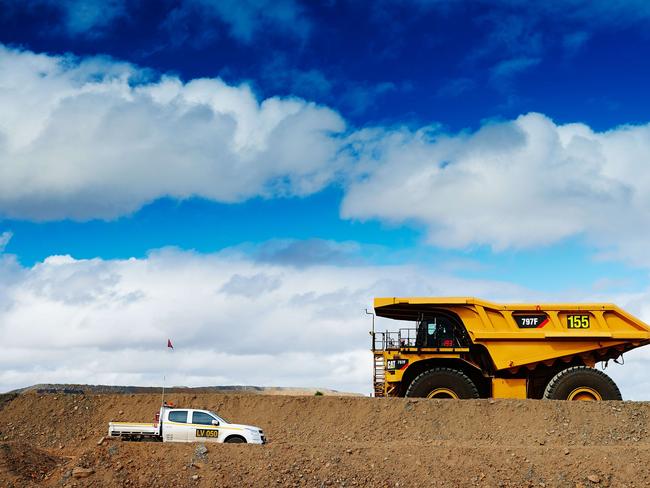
162	399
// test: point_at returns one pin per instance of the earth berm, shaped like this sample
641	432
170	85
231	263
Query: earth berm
52	440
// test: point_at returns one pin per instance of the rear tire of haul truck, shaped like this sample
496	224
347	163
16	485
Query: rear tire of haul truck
581	383
442	383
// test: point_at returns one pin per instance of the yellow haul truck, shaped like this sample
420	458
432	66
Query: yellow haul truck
471	348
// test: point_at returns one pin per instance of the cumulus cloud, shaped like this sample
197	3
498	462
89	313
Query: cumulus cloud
97	138
233	319
515	184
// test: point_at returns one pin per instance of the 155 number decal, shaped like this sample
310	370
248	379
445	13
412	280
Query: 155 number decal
578	321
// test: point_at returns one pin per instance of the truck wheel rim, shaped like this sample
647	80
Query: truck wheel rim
443	393
584	394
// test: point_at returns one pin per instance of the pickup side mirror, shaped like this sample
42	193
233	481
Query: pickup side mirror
215	422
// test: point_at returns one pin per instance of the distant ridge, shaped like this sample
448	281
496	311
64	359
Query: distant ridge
72	389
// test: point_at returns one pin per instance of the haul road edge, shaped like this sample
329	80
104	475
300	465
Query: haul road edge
471	348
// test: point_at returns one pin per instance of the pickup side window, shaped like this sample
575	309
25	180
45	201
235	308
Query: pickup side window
202	418
178	416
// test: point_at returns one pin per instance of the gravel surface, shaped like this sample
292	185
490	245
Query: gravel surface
52	440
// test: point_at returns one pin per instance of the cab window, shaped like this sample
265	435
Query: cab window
440	330
179	416
202	418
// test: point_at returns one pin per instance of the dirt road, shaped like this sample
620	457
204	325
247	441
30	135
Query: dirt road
331	441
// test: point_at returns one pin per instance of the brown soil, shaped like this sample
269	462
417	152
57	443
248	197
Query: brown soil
323	441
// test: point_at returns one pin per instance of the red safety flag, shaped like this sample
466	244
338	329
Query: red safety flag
169	343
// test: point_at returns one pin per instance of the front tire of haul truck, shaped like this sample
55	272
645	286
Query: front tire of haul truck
581	383
442	383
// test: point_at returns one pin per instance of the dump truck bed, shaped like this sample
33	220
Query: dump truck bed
518	335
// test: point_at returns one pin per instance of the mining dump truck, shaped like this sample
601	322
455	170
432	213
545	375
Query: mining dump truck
471	348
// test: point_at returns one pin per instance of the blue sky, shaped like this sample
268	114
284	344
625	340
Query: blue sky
497	147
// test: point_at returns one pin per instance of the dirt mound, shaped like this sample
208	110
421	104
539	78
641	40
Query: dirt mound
23	463
322	441
6	398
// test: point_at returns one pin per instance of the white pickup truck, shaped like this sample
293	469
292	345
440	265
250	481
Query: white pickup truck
187	425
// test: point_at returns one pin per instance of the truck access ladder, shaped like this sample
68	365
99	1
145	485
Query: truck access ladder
378	370
378	379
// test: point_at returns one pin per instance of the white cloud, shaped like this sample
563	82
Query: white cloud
5	237
97	138
516	184
232	319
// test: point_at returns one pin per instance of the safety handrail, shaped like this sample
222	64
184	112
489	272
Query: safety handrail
405	337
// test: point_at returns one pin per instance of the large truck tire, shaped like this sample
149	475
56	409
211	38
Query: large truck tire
442	383
581	383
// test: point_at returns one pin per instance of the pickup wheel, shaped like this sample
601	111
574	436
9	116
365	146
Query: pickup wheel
442	383
235	439
581	383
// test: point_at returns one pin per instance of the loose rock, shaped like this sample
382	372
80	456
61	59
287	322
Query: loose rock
82	472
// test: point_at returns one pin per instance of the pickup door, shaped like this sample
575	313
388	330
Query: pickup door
202	428
176	428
